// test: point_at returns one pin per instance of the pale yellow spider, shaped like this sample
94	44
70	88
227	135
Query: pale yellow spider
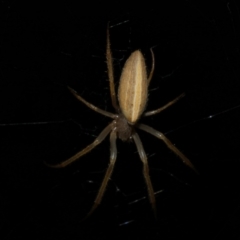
132	98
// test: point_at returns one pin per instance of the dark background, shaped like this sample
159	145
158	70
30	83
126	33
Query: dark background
46	47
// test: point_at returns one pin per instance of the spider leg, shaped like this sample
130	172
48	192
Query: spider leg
113	157
97	141
91	106
153	112
143	158
110	72
161	136
153	66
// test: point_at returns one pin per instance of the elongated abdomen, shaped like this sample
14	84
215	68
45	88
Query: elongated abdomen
133	87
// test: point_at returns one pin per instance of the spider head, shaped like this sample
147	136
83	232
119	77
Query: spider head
124	129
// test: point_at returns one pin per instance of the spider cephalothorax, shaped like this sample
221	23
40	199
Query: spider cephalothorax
124	129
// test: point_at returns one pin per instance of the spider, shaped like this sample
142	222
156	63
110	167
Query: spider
132	99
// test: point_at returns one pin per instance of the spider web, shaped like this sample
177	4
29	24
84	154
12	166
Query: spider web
49	47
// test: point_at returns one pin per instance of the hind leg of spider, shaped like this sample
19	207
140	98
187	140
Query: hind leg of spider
97	141
143	158
169	144
91	106
110	72
153	66
156	111
113	157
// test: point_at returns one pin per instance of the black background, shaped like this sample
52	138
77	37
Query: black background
46	47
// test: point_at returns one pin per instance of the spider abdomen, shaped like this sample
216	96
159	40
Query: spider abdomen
133	87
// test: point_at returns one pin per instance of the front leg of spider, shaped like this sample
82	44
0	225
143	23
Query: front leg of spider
113	157
143	158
